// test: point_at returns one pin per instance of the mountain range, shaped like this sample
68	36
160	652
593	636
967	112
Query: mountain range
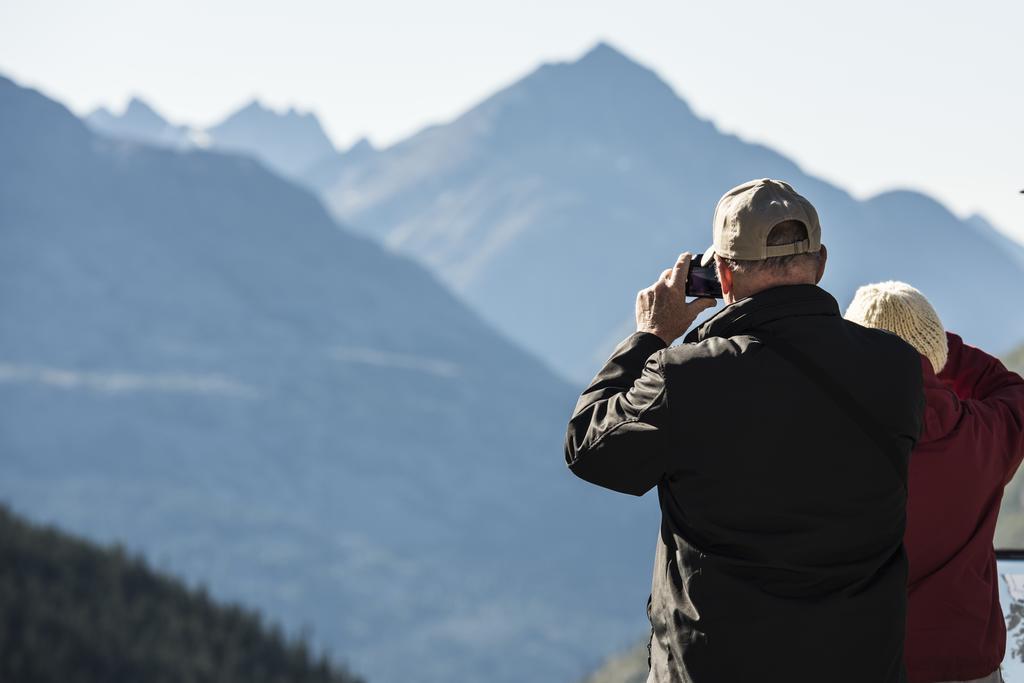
339	424
139	122
198	362
290	143
548	206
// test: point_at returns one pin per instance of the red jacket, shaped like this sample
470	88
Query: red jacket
971	445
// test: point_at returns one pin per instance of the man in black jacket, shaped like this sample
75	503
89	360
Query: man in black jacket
778	435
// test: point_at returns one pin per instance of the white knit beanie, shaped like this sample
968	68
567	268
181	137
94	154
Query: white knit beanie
899	308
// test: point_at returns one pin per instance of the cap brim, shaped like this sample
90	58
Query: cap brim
708	256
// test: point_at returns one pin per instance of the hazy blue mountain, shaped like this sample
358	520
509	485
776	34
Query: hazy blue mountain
327	170
197	361
551	203
139	122
999	239
289	143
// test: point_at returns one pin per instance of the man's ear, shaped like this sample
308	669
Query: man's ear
822	257
724	275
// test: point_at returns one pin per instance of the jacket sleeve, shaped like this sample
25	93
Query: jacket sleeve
618	434
991	400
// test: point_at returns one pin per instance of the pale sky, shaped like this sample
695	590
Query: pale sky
870	95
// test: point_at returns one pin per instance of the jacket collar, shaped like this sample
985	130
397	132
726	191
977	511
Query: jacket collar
765	307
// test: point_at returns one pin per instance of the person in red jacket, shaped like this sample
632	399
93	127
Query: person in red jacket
971	444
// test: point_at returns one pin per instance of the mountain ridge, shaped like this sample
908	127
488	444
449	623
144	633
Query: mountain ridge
139	122
288	142
571	166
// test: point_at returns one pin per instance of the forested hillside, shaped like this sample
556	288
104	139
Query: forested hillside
1015	361
1010	532
70	610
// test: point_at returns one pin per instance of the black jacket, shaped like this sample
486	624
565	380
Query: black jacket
780	556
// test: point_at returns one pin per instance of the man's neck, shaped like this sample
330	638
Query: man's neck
749	289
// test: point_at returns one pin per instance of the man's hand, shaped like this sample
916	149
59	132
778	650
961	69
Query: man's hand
662	308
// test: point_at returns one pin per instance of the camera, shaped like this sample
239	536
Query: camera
702	281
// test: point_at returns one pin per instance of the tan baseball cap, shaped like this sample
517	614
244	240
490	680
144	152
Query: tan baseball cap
748	212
